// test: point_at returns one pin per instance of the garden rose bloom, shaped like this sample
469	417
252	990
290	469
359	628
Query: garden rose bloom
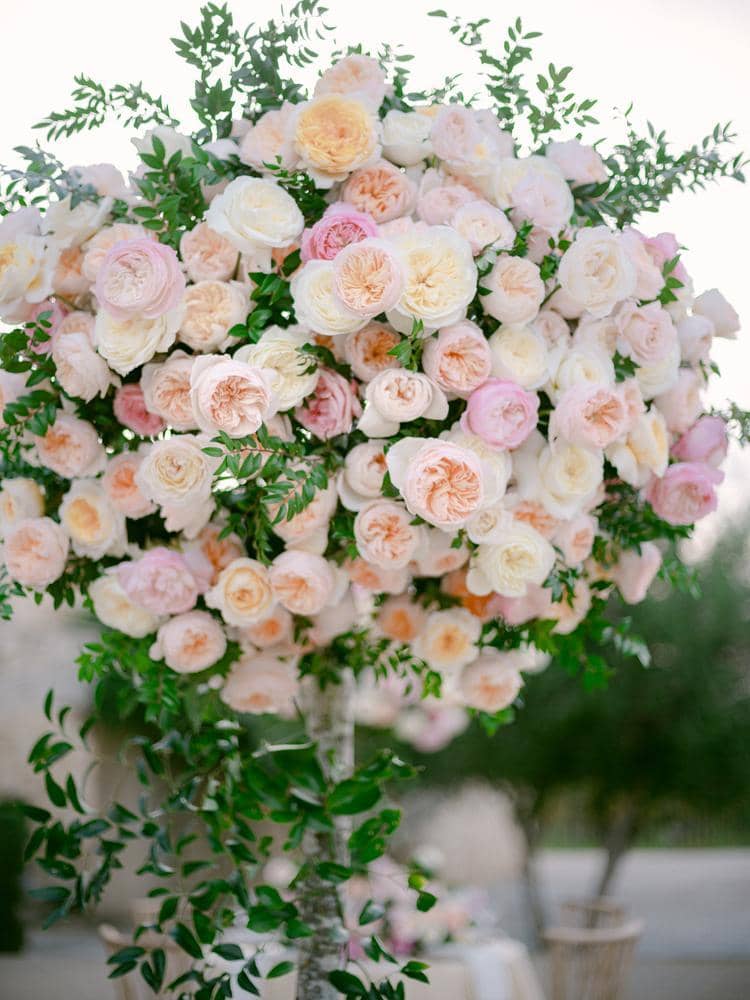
368	277
570	476
706	441
381	190
648	334
575	538
309	528
396	396
229	396
35	552
541	195
596	272
382	581
520	557
255	211
274	628
401	619
645	451
159	581
649	279
459	359
501	413
384	534
69	279
176	472
190	642
521	355
207	255
634	572
302	582
242	594
113	607
122	490
367	350
577	162
696	334
211	309
316	304
354	74
340	226
712	305
516	290
79	369
95	527
440	481
139	278
73	323
406	137
437	554
21	498
166	390
440	277
467	141
593	416
70	447
448	639
685	493
578	365
285	366
129	407
208	554
490	683
334	135
126	344
483	225
261	684
437	202
362	476
97	248
269	139
681	405
331	409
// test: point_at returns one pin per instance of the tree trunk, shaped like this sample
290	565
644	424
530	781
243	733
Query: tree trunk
330	723
618	840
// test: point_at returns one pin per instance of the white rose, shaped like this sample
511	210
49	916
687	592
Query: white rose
596	272
577	365
715	307
126	344
448	639
396	396
521	556
361	478
73	226
316	305
520	354
645	451
172	140
255	210
176	471
114	608
695	334
94	526
242	593
661	376
406	137
516	290
27	268
570	477
79	369
19	498
288	370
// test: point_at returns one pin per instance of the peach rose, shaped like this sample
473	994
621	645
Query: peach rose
259	684
334	135
448	639
210	552
354	74
189	643
385	535
459	359
368	277
575	538
207	256
120	485
229	396
130	409
212	308
381	581
166	390
437	554
590	415
159	581
268	140
441	482
35	552
95	527
401	619
74	323
381	190
634	572
69	279
303	583
367	351
490	683
516	290
70	447
140	278
274	628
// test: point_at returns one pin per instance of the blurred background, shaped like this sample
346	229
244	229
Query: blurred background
639	791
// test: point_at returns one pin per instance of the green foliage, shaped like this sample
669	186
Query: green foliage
93	103
42	178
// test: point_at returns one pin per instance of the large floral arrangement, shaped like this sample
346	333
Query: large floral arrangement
361	382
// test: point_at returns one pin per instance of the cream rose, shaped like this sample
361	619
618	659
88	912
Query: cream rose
396	396
35	552
211	309
176	472
254	211
95	527
520	354
316	304
288	370
242	594
596	271
459	359
406	137
361	478
570	476
126	344
512	562
645	451
516	290
21	498
79	369
113	607
483	225
577	365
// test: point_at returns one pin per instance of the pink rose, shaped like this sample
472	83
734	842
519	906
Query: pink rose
634	572
664	247
160	581
440	481
459	359
385	535
130	409
71	447
501	413
207	256
35	552
685	493
681	405
437	205
331	409
141	278
190	642
706	441
258	684
578	163
302	582
648	334
229	396
590	415
340	226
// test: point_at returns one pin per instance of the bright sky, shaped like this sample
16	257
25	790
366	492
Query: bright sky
683	63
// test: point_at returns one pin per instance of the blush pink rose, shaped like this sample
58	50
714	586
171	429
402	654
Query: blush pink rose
664	247
120	485
208	256
681	405
230	396
160	582
685	493
368	277
501	413
634	572
130	409
459	359
340	226
190	642
71	447
35	552
331	409
385	536
141	278
648	334
706	441
302	582
440	481
437	205
382	191
590	415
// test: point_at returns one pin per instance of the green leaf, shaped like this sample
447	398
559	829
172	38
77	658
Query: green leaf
183	937
280	970
353	796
